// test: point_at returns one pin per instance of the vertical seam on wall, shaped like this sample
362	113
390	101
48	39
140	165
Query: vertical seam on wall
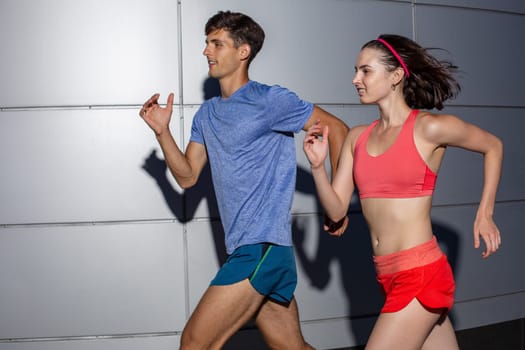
414	20
182	143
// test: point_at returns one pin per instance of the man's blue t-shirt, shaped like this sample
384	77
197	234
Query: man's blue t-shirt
249	138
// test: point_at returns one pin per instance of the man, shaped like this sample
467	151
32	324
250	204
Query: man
247	135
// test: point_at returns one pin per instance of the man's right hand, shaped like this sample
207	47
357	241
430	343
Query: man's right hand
158	118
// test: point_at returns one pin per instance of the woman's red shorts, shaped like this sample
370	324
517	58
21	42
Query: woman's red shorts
421	272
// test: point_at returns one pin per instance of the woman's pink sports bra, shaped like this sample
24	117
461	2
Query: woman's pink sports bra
399	172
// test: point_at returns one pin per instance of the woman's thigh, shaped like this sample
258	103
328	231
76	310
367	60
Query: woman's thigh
405	329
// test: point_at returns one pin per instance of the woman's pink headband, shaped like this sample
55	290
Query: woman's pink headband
396	55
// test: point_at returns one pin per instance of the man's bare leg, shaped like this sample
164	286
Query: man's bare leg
221	312
279	325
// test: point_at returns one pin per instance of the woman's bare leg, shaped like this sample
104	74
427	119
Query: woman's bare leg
442	336
407	329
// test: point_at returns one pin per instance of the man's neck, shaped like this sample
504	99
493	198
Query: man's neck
231	84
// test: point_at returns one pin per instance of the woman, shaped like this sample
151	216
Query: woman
394	162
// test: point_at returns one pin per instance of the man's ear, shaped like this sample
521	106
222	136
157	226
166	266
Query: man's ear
245	51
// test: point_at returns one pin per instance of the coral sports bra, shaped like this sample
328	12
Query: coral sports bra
399	172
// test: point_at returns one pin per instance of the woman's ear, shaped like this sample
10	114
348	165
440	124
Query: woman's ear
397	76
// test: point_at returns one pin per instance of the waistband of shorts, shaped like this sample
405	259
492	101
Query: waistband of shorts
406	259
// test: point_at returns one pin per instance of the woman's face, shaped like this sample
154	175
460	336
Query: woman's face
371	79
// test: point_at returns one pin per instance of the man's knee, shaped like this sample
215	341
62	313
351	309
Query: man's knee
188	342
192	340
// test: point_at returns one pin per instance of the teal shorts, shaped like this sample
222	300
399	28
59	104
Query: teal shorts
270	268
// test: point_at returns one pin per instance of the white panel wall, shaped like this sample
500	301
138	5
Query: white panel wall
69	165
60	52
483	54
91	280
100	249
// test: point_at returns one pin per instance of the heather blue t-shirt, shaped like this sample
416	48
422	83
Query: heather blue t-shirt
249	138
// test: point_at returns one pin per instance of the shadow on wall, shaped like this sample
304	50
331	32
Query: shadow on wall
184	205
211	88
352	251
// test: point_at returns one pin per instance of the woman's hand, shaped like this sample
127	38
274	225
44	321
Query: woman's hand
485	227
315	145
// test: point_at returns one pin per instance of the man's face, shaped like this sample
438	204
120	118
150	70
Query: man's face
224	59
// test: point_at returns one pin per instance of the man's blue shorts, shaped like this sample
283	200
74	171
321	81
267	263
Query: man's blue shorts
270	268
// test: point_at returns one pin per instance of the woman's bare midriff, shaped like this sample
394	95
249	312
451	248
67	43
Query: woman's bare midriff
397	223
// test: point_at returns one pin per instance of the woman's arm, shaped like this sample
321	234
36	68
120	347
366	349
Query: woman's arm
448	130
335	196
338	131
